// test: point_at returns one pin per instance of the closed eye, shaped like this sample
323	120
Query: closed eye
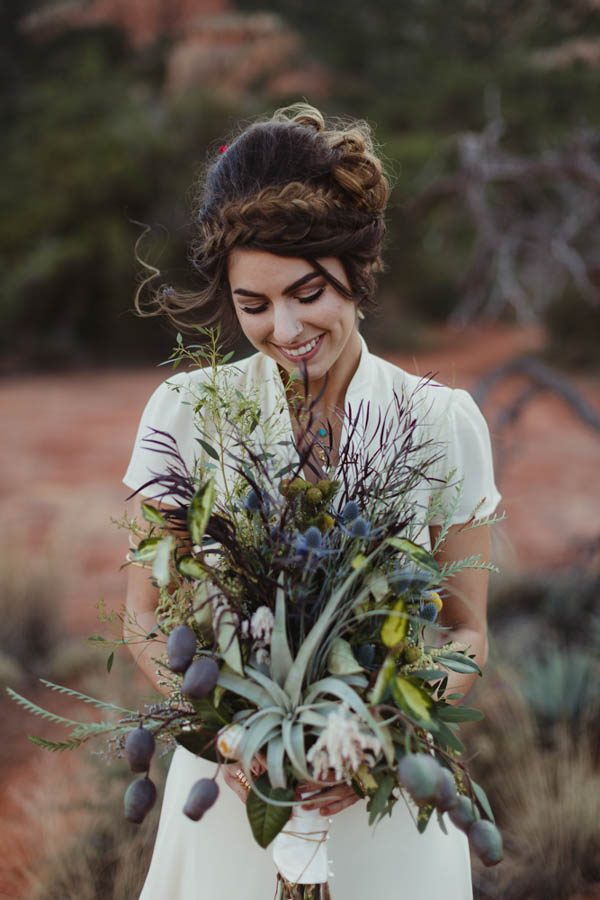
258	309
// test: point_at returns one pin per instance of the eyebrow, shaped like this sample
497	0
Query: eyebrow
288	290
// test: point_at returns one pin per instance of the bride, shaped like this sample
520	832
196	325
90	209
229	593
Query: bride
289	228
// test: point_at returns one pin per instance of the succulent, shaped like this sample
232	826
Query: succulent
446	796
140	797
181	646
486	841
139	749
201	797
420	774
463	814
200	678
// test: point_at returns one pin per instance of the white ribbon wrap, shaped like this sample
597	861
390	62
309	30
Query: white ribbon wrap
300	849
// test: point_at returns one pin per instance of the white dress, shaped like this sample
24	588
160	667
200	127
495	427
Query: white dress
217	858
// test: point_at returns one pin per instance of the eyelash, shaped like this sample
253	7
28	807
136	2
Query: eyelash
258	309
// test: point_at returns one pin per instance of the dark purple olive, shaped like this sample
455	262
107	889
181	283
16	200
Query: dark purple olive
140	797
486	841
181	646
201	797
446	795
420	774
200	678
139	749
463	814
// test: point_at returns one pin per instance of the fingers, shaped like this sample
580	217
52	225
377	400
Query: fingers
234	783
332	801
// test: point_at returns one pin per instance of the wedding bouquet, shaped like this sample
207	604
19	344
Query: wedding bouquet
300	619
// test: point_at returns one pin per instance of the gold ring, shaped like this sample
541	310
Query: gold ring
242	779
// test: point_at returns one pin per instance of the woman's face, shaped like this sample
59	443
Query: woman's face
290	312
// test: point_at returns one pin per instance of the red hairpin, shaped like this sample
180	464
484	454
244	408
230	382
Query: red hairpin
222	148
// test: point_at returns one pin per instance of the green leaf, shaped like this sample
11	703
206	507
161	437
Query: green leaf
341	659
447	739
243	687
152	515
459	714
415	553
200	510
377	804
384	677
457	662
110	661
199	742
191	568
210	450
161	568
395	626
413	699
146	549
226	633
266	820
423	817
482	800
281	655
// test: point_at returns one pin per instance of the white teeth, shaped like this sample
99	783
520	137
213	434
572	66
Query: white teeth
306	348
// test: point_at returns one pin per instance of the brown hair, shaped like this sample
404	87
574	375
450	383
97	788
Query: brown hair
289	185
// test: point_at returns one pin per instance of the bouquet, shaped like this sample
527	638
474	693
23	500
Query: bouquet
301	624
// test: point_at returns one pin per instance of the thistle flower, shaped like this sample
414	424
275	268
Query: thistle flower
359	528
350	511
428	611
342	746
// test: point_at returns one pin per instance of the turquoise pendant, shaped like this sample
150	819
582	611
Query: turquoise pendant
322	432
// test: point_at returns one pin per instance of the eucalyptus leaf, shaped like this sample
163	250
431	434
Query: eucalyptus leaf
464	665
459	714
483	800
377	804
209	449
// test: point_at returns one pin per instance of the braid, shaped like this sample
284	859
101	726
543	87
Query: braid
290	186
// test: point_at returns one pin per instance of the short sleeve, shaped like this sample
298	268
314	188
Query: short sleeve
170	410
467	452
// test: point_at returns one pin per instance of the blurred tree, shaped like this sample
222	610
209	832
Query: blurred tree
90	144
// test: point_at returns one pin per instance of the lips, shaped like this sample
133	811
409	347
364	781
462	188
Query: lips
305	356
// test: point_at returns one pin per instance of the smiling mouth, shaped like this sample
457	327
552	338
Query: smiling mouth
303	350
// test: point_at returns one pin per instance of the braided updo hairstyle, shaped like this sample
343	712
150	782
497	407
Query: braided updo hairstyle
287	185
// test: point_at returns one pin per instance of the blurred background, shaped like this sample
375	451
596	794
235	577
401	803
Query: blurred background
487	114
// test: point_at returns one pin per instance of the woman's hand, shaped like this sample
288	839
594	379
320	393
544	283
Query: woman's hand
229	775
328	800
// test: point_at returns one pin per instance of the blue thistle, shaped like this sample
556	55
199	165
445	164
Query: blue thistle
360	528
252	501
312	537
350	511
429	611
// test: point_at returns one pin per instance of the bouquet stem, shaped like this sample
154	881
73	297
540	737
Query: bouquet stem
286	890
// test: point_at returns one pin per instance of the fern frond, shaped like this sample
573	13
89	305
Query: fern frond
470	562
77	695
55	746
39	711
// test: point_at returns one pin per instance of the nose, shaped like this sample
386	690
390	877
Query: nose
286	325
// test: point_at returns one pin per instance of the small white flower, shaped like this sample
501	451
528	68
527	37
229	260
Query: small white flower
343	746
263	656
245	628
261	624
